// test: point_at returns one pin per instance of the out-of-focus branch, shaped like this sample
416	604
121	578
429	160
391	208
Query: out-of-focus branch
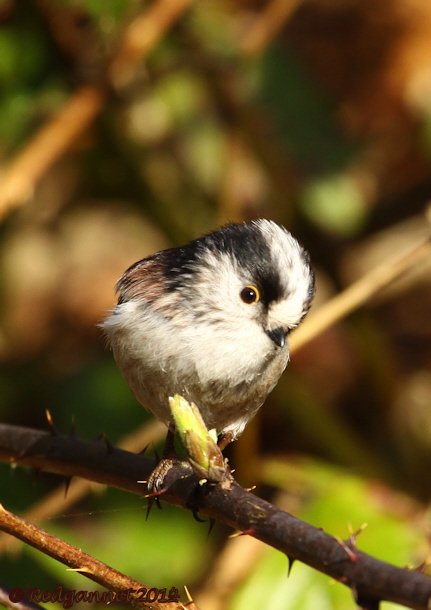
22	175
370	579
141	36
20	178
58	501
359	293
266	26
231	568
79	561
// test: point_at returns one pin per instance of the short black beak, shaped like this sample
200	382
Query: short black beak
278	335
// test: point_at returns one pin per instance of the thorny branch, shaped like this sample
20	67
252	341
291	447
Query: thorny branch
57	501
79	561
370	579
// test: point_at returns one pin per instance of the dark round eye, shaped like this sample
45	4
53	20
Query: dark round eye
250	294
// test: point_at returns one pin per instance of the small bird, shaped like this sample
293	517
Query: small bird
209	320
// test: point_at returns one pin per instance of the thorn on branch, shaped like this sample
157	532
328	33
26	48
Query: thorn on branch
152	499
248	532
67	482
354	534
190	604
156	493
210	526
50	421
423	568
290	562
348	547
81	570
109	446
364	602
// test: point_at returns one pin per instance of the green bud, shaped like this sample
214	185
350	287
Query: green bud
201	445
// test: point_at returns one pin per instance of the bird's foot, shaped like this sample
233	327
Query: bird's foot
156	482
156	479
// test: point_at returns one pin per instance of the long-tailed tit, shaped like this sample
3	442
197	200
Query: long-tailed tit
210	320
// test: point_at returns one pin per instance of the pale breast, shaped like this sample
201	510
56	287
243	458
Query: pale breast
224	404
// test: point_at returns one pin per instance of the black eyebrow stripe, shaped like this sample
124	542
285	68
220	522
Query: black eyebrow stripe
243	242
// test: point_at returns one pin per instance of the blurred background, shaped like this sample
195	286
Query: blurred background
120	136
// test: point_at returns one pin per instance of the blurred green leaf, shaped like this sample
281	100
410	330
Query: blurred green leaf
100	10
335	501
335	204
341	502
22	56
270	588
15	112
302	112
169	549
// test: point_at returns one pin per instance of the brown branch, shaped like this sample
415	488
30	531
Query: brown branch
141	37
359	293
79	561
21	177
266	26
370	579
58	501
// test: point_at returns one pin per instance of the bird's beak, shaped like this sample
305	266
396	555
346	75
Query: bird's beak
278	335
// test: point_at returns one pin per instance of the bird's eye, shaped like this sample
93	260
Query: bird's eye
250	294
